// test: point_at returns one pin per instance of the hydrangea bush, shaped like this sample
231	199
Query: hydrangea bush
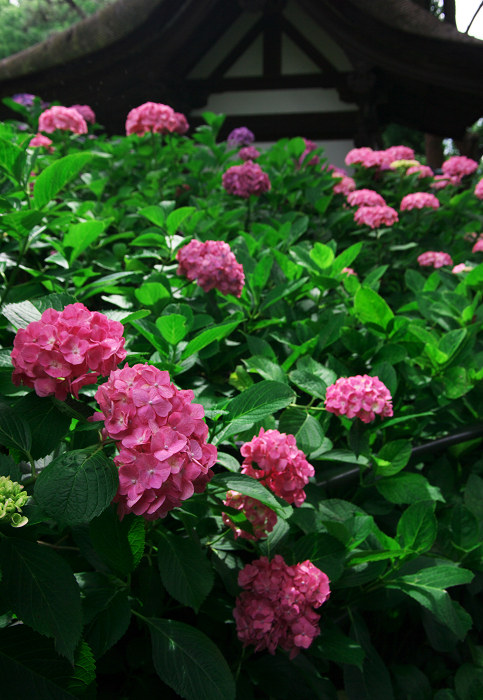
240	415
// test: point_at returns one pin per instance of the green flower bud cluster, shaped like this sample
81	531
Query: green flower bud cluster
12	498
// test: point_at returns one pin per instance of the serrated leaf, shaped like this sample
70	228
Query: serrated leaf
176	218
417	527
151	292
394	455
42	591
185	570
84	669
120	543
308	382
57	175
47	423
80	236
189	662
154	214
21	314
249	486
369	307
408	488
322	255
172	328
14	430
208	336
76	486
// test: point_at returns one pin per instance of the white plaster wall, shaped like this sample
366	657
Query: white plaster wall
276	102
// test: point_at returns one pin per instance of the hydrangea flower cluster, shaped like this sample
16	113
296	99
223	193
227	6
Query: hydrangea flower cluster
459	166
66	350
360	396
163	454
39	140
212	265
156	118
420	170
12	498
376	216
24	98
262	518
419	200
277	605
275	460
461	268
442	181
309	147
364	197
86	112
478	247
344	184
245	180
434	259
63	118
368	158
240	137
248	153
479	189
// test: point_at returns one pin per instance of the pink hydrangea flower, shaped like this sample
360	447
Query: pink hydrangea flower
241	136
39	140
459	166
66	350
309	147
420	170
248	153
461	268
364	197
161	435
276	608
63	118
442	181
419	200
479	189
434	259
365	156
376	216
348	271
212	265
262	518
152	116
275	460
398	153
344	184
245	180
478	247
336	171
360	396
86	112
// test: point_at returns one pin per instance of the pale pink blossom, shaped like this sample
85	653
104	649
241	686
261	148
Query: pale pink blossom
344	184
276	608
66	350
274	459
262	518
419	200
420	170
459	166
152	117
39	140
213	266
434	259
478	247
348	271
442	181
182	125
63	118
245	180
461	268
86	112
360	396
398	153
309	147
161	436
376	216
365	197
479	189
248	153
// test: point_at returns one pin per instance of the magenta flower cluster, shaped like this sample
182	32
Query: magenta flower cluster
248	153
419	200
241	136
366	198
479	189
163	454
212	265
66	350
277	605
63	118
459	166
156	118
275	460
360	396
344	184
309	147
420	170
262	518
245	180
86	112
434	259
376	216
39	140
368	158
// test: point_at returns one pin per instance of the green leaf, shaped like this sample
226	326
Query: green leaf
469	682
408	488
40	588
260	275
322	255
450	342
176	218
47	423
309	436
84	669
266	368
185	570
120	543
9	152
308	382
80	236
417	527
324	551
335	646
154	214
249	486
172	328
369	307
14	430
151	292
346	257
208	336
189	662
57	175
21	314
465	528
77	486
392	457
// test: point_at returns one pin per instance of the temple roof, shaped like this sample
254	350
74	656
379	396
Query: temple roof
407	66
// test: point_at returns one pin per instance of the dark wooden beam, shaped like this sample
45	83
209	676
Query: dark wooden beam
307	47
238	50
272	46
277	82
